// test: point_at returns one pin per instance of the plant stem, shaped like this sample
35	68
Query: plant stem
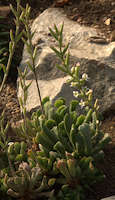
14	43
11	167
34	69
7	69
39	93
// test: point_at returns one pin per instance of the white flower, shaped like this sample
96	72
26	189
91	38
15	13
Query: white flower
82	103
78	64
89	92
73	84
69	80
97	121
10	143
85	77
76	94
72	70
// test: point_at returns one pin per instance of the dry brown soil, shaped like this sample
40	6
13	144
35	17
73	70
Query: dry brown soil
91	13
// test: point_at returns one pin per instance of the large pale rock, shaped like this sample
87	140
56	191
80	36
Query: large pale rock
109	198
97	60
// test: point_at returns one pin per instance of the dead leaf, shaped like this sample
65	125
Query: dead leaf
61	3
107	21
74	17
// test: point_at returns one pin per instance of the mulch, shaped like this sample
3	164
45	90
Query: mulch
91	13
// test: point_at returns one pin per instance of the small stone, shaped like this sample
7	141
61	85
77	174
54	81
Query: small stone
74	10
113	3
9	104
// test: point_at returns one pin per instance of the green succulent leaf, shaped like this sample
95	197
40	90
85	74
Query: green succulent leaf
88	116
67	123
86	133
44	100
73	105
50	123
58	103
59	148
80	120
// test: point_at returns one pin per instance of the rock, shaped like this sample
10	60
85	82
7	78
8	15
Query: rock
112	37
109	198
97	60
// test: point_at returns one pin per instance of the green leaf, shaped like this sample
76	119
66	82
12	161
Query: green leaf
51	114
59	148
43	162
56	29
58	103
11	35
67	60
94	120
88	116
61	108
65	49
4	68
73	105
53	34
62	136
10	47
14	11
41	139
106	140
30	66
2	50
19	36
46	99
80	120
61	68
47	106
67	123
57	52
72	137
50	123
35	53
2	145
61	31
49	134
27	86
86	133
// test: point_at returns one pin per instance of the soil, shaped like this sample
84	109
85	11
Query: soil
94	13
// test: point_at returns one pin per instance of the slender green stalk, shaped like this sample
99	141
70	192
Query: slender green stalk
12	44
31	51
34	70
39	92
7	69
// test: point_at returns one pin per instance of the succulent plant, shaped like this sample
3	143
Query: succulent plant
3	190
17	151
79	135
69	145
61	163
27	183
